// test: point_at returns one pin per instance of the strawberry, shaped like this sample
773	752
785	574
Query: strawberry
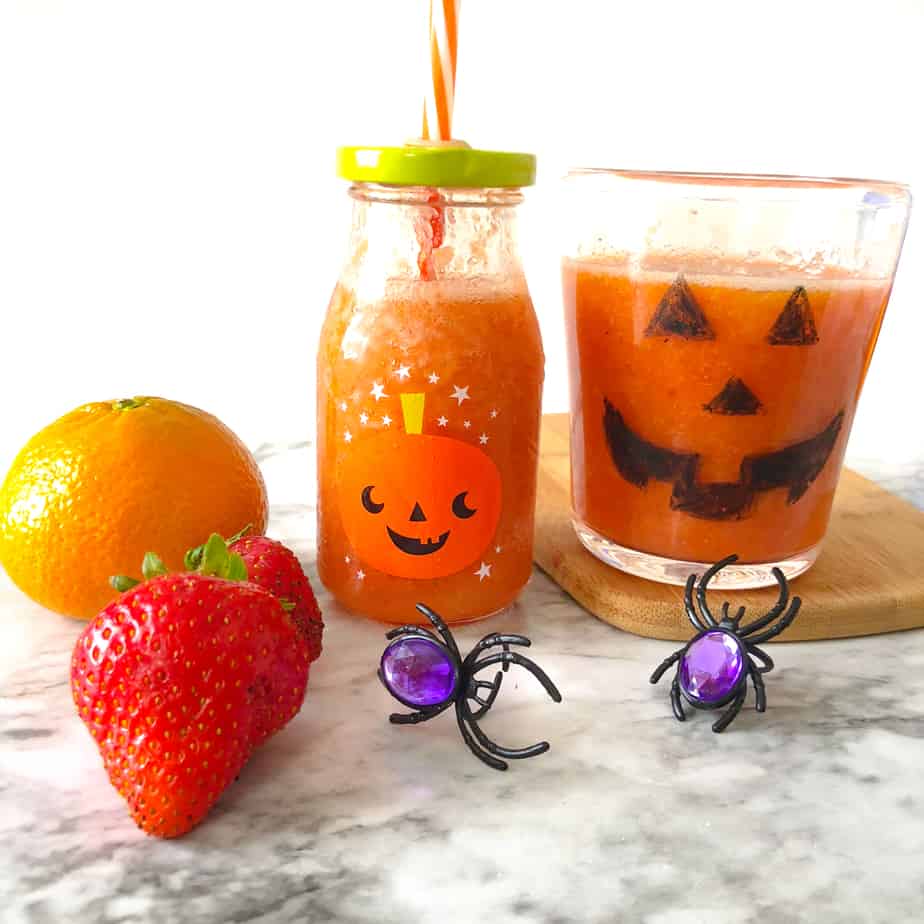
275	568
179	679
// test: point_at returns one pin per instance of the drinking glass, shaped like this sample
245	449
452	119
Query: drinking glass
719	330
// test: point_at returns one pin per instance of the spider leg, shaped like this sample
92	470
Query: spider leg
784	623
512	657
665	664
777	608
761	656
440	627
704	583
489	641
760	693
414	718
408	630
483	756
688	604
728	716
492	747
494	686
676	704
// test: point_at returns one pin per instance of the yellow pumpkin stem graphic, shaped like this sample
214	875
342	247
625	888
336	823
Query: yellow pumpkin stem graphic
412	407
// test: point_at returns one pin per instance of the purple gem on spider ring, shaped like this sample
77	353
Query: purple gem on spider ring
711	667
418	671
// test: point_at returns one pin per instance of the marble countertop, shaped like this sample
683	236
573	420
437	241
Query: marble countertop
811	812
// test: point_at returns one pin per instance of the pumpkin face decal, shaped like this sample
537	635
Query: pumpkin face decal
419	506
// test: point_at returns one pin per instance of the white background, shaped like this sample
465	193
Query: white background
170	223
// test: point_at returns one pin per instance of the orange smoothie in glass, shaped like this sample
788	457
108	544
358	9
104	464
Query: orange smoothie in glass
428	408
711	408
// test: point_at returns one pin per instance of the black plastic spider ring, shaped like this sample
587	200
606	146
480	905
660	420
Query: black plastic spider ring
715	664
428	674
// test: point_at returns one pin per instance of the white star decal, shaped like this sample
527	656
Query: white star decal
433	378
343	406
346	559
403	372
364	418
386	421
494	412
442	421
466	424
498	549
378	391
460	394
360	575
483	439
483	572
347	436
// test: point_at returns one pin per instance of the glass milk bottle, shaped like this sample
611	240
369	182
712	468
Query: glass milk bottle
430	371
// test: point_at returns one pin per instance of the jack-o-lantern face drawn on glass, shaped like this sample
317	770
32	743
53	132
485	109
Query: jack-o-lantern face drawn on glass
415	505
793	467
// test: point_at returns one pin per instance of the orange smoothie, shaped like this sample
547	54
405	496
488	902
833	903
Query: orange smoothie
711	403
428	413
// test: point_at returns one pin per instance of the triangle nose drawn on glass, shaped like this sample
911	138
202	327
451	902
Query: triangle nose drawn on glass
795	324
734	398
679	315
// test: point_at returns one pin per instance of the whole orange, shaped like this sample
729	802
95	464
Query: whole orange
91	493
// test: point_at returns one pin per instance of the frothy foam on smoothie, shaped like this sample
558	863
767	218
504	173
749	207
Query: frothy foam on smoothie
699	269
456	289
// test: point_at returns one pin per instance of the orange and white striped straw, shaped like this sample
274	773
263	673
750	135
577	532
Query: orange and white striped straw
441	87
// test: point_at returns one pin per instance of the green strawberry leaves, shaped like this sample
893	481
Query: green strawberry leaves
152	566
213	557
217	560
193	558
122	582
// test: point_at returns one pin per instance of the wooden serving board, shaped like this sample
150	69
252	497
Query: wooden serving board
868	579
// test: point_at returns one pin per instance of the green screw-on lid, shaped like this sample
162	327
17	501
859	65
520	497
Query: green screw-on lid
450	164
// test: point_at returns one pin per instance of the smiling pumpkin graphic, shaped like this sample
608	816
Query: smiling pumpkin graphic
419	506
